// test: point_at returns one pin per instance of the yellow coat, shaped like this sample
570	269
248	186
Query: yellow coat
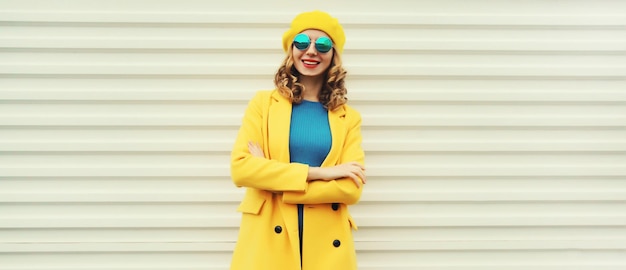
268	235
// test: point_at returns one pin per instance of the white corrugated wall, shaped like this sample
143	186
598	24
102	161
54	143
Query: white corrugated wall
495	131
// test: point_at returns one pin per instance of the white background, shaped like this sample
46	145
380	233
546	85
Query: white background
495	131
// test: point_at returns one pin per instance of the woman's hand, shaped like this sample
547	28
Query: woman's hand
353	170
255	149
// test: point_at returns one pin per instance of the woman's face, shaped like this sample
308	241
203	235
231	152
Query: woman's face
310	62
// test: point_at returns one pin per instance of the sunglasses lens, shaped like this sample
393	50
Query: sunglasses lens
301	41
323	44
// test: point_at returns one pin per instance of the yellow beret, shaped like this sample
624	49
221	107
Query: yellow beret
316	20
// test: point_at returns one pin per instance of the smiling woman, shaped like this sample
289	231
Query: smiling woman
312	61
299	154
495	135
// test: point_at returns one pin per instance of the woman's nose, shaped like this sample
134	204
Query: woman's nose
311	50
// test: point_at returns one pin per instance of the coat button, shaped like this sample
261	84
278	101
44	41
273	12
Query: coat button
336	243
278	229
335	206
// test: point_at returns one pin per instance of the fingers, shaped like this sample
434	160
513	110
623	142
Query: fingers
357	175
355	179
359	171
355	171
361	175
354	163
255	149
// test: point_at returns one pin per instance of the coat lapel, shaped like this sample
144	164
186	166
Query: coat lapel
338	132
279	121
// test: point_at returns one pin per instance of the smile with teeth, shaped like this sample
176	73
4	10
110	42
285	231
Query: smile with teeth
310	62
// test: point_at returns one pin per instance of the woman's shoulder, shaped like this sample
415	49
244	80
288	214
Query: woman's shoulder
351	113
263	93
261	96
349	109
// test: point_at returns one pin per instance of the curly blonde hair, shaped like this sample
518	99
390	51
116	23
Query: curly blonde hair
333	92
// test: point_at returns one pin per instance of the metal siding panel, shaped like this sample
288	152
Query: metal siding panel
495	132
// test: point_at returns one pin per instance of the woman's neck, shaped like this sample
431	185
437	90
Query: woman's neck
312	87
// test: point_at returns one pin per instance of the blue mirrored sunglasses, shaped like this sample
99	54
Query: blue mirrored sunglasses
322	44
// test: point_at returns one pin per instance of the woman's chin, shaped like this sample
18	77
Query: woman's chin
310	72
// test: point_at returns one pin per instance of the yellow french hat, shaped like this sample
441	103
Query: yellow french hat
316	20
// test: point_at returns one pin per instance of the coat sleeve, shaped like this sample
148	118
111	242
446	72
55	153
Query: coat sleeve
342	190
250	171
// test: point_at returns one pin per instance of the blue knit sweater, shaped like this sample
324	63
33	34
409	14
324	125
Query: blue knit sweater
309	141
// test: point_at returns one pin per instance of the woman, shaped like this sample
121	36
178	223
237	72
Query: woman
298	153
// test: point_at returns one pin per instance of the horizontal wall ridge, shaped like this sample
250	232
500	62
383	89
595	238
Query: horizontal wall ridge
281	18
